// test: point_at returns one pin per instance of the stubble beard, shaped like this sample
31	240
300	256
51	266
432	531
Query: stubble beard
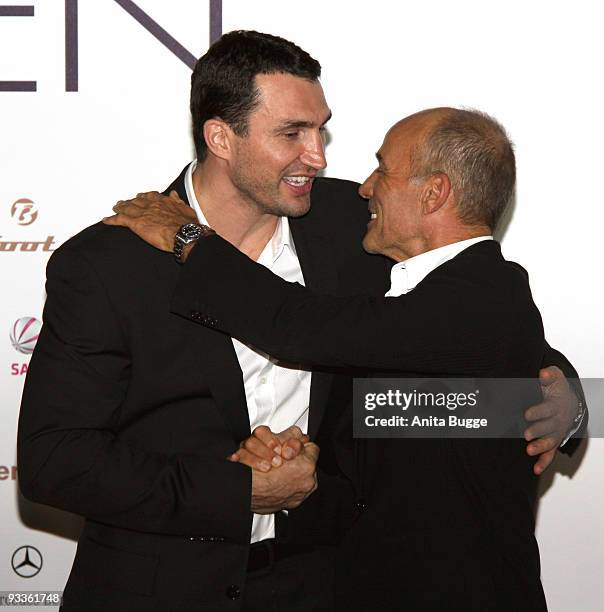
264	195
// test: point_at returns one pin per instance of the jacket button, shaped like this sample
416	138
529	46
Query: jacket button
233	592
195	315
361	505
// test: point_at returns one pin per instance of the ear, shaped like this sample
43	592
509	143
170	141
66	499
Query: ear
435	193
218	136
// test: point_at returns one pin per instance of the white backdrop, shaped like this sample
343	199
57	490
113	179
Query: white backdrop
534	66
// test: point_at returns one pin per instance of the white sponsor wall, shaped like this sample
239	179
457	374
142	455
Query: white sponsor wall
66	157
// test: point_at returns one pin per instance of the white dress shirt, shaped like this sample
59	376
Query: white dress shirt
406	275
277	395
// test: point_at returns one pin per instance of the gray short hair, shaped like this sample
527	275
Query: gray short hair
474	151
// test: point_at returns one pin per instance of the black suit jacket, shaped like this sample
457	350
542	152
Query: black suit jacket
442	524
129	412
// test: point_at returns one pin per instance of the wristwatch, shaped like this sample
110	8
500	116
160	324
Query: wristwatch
188	233
580	413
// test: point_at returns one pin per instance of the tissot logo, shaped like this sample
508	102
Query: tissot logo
24	334
27	246
26	561
24	212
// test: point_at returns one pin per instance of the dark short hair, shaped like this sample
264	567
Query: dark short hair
222	83
475	152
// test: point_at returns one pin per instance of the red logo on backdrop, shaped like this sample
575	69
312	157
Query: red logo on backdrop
24	334
24	212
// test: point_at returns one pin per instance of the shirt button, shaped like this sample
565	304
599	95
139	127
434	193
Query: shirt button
233	592
263	380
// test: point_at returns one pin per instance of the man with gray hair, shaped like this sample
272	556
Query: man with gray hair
441	523
475	153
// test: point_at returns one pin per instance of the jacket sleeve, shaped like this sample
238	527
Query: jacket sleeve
324	517
439	328
70	451
552	357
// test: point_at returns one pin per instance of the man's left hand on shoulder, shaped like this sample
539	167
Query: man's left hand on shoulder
153	217
552	420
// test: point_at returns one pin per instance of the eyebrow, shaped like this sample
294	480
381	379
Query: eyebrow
293	124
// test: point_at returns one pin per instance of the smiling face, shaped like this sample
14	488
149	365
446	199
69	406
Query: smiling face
274	164
394	195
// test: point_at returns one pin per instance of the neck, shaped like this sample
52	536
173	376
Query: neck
233	217
439	237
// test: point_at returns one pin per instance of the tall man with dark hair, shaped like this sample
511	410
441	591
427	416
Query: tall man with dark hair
129	412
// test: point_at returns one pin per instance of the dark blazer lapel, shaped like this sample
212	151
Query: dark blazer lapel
320	276
217	359
178	185
312	249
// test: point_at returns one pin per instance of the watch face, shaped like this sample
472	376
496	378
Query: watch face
190	231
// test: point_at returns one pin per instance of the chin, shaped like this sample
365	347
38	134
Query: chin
369	245
298	208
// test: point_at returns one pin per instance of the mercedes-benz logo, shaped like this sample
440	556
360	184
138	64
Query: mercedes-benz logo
26	561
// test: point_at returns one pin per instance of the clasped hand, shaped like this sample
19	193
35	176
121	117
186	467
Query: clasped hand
283	468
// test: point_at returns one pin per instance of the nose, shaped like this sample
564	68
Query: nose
314	153
366	189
